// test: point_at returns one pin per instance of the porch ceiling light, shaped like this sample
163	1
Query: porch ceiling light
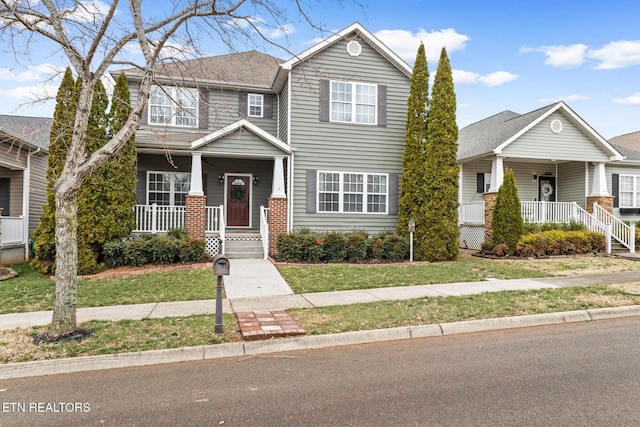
221	179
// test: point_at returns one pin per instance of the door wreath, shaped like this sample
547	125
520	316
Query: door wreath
546	189
237	193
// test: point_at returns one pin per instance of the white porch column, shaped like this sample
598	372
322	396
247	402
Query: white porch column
195	188
497	174
599	186
277	188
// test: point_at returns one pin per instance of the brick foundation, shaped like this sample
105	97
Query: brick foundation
489	206
605	202
278	207
195	215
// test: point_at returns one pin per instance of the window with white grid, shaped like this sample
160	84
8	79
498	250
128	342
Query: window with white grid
353	102
629	190
352	192
173	106
168	188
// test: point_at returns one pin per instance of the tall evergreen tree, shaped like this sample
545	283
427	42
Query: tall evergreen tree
412	191
59	143
441	241
121	170
507	223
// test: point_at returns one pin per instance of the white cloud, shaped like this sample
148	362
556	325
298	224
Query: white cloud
629	100
569	56
574	97
461	77
84	11
620	54
277	33
498	78
405	43
32	73
31	93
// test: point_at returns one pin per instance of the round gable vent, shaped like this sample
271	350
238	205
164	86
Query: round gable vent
354	48
556	126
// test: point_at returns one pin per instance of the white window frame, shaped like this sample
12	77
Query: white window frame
255	100
366	202
173	190
172	100
353	103
634	190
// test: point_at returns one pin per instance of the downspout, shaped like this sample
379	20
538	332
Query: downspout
26	183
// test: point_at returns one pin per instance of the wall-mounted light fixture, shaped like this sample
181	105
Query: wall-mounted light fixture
221	179
255	180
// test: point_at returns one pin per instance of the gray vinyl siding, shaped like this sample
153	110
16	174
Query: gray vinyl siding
37	189
469	180
283	115
15	191
541	143
571	183
242	142
341	146
212	168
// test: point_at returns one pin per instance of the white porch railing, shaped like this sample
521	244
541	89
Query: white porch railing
12	230
154	218
623	233
549	211
214	220
471	213
264	230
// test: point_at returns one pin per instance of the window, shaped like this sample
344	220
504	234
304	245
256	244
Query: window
173	106
352	192
353	102
629	191
168	188
256	105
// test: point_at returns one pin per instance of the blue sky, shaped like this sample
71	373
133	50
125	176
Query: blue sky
506	55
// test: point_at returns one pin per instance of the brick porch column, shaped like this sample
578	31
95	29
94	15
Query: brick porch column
605	202
278	208
195	215
489	206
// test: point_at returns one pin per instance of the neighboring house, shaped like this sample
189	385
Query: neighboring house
23	184
563	168
244	146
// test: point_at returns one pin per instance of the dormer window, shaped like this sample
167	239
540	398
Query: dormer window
256	105
173	106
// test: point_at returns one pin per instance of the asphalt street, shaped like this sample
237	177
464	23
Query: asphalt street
585	374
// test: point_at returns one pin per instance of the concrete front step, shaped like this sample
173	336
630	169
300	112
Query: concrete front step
243	245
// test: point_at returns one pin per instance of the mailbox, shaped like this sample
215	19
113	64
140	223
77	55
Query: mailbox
220	265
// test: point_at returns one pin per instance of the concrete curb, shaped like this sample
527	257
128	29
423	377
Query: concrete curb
307	342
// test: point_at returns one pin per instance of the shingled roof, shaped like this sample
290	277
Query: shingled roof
629	140
252	68
481	138
33	130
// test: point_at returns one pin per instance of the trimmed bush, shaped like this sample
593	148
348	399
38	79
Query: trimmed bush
192	250
356	246
334	247
558	242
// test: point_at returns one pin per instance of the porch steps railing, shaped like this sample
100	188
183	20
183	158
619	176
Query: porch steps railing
623	233
264	230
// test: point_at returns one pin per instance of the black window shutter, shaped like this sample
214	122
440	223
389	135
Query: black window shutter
268	106
393	194
141	187
242	104
615	189
203	108
325	100
480	182
144	118
311	190
382	105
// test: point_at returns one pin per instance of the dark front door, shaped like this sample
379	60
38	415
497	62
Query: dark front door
4	196
238	201
547	188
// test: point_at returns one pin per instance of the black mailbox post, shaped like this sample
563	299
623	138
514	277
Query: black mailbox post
220	268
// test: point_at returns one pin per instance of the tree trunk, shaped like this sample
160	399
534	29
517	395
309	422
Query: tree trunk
64	309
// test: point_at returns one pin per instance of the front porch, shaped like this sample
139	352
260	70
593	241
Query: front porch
473	217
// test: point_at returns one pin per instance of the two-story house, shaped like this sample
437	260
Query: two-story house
241	147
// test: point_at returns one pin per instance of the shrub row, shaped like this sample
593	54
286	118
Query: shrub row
554	242
175	246
358	246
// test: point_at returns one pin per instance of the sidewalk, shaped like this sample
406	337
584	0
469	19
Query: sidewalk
264	292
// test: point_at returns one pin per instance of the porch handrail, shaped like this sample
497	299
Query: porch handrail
154	218
264	230
540	212
12	230
213	219
471	213
222	228
623	233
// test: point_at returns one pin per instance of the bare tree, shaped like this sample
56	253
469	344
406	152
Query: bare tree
94	37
